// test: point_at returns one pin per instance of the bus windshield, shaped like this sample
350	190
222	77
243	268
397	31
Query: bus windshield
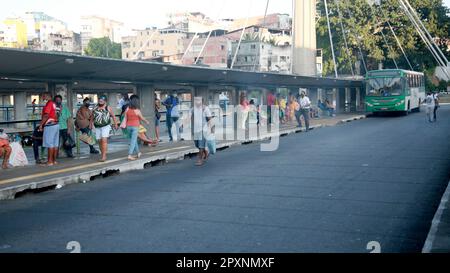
384	87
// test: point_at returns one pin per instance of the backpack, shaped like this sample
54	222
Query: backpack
429	100
102	117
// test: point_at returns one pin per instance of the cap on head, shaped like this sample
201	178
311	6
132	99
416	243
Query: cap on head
103	97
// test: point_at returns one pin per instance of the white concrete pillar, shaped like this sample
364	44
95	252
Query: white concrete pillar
336	100
112	101
20	108
304	36
348	99
146	94
358	99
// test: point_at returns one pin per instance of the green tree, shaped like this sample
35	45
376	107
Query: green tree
364	23
103	47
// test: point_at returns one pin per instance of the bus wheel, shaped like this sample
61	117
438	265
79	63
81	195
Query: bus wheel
405	113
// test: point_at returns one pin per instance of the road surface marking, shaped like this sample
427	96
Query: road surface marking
79	167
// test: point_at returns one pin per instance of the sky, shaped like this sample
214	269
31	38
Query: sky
139	14
142	13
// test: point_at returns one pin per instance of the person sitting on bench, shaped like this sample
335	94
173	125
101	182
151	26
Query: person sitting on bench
5	149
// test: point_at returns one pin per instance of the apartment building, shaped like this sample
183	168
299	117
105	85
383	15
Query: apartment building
152	43
100	27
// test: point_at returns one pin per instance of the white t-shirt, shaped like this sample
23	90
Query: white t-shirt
429	100
200	115
305	103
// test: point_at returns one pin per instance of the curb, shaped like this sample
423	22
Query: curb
9	193
428	246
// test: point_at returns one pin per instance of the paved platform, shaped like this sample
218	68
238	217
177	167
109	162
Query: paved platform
85	167
438	240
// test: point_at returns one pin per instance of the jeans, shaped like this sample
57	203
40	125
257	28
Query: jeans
305	113
176	121
434	112
169	126
134	146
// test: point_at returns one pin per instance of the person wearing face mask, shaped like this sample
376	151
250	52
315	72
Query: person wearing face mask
84	122
50	126
65	126
103	114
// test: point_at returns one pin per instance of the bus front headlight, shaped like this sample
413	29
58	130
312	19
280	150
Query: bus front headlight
400	103
369	104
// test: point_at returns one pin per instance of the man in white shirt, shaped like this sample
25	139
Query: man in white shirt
202	121
305	106
430	104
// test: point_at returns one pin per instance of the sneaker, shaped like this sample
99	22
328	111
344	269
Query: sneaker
95	152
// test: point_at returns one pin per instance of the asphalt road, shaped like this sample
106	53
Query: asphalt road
329	190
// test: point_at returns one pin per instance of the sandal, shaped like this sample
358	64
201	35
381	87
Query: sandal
200	163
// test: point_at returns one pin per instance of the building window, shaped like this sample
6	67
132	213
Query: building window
128	55
154	42
162	42
222	47
253	46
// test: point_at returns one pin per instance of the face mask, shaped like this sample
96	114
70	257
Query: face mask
58	103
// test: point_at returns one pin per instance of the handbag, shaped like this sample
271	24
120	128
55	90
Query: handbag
86	139
69	143
211	144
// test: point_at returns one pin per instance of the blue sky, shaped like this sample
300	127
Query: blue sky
143	13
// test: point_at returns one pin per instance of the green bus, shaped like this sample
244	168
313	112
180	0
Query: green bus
394	90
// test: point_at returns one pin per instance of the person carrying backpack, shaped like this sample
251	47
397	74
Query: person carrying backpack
103	115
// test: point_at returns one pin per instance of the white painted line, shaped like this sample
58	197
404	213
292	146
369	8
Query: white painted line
428	246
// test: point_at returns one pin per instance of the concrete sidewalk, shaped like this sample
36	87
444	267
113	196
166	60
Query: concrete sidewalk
438	240
86	168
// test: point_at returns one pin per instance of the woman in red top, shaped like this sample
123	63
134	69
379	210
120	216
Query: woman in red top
133	118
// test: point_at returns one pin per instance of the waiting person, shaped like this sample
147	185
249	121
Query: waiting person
271	100
430	104
133	118
157	118
5	149
294	108
202	120
253	114
50	126
103	114
84	122
37	143
436	104
170	102
243	102
142	136
65	126
330	108
123	103
305	106
282	104
33	105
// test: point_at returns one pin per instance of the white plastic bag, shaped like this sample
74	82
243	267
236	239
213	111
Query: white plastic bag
18	157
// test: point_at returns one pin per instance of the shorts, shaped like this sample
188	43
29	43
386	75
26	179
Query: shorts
51	136
102	132
157	122
199	140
